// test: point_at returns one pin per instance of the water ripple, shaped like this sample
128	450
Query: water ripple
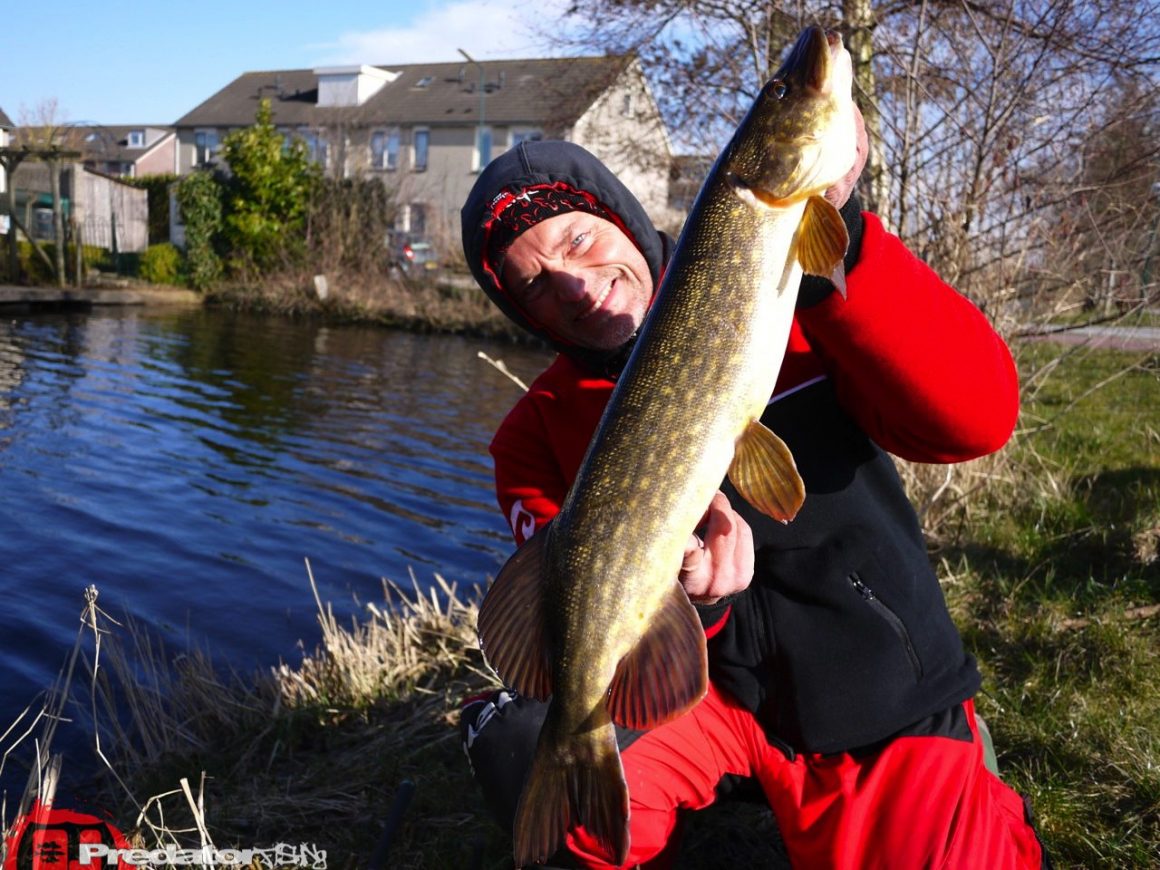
188	463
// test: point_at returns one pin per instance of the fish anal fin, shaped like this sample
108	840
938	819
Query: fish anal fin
667	672
575	780
764	473
512	624
822	240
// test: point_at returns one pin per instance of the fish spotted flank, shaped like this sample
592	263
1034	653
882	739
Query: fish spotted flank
589	612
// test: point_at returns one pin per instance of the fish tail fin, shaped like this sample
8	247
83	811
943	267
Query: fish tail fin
577	781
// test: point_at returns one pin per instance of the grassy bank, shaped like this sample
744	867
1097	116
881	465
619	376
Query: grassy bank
1049	558
439	302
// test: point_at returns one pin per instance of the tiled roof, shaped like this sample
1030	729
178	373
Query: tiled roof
106	144
543	92
5	121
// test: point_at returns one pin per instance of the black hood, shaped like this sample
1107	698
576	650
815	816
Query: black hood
545	163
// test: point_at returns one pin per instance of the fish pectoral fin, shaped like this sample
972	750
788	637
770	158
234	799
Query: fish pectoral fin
822	240
764	473
512	625
667	672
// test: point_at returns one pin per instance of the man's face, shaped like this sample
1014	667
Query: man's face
581	278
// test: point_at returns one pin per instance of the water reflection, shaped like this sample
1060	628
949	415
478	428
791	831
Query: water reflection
188	462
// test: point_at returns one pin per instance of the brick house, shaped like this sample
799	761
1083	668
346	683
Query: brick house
427	129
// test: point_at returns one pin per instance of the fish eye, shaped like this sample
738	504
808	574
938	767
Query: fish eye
777	88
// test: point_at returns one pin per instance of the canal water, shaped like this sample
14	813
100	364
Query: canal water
187	462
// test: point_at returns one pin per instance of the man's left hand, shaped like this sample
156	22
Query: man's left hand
722	563
840	192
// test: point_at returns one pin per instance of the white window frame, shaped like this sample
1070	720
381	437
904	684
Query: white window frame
203	149
316	144
482	132
418	133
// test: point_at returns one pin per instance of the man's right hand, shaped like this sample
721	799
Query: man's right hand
721	563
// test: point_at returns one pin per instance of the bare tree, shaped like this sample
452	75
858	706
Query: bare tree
984	119
44	135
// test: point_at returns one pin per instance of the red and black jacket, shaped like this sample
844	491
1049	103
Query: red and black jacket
843	638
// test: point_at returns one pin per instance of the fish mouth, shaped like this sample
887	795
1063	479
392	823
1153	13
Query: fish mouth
812	58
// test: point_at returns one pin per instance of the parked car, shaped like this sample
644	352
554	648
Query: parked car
413	255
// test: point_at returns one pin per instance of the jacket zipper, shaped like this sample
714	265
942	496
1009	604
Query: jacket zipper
891	618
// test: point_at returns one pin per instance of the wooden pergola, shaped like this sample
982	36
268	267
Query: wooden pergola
53	155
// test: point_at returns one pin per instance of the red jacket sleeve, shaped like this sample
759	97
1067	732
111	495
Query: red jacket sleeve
538	448
529	485
913	361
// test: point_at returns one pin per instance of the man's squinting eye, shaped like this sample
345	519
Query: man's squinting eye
579	239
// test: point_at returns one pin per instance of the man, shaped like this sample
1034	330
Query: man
838	679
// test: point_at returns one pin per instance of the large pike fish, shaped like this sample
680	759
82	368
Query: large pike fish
590	612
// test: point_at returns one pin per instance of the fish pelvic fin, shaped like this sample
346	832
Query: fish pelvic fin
764	473
822	240
576	780
512	623
667	672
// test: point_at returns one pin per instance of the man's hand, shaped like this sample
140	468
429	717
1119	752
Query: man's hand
840	192
722	563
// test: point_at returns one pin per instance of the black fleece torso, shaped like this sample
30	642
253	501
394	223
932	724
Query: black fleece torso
844	633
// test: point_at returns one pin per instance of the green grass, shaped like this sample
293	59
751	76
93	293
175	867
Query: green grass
1055	589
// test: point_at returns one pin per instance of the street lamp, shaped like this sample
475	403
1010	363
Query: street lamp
482	107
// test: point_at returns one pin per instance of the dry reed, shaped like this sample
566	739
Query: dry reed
309	754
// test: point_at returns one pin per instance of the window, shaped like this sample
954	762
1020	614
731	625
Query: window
417	218
385	149
626	106
421	142
316	146
205	146
136	138
482	148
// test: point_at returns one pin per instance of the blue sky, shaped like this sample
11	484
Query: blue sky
133	62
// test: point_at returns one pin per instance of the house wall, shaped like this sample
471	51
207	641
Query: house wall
187	149
159	161
631	140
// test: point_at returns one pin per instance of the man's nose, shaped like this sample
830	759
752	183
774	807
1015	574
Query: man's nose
569	286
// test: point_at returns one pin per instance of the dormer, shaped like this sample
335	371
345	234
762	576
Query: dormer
345	86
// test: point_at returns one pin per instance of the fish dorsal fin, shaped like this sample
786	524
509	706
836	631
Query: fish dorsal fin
512	627
822	240
764	472
667	672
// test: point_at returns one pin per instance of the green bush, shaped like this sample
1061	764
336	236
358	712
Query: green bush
34	270
157	188
161	264
200	199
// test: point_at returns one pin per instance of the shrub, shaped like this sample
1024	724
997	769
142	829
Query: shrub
199	197
157	188
161	264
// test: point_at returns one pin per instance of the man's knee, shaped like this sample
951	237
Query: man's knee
499	735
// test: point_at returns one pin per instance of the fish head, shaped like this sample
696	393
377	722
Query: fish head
799	137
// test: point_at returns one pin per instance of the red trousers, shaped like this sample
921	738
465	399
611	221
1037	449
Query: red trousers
918	802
